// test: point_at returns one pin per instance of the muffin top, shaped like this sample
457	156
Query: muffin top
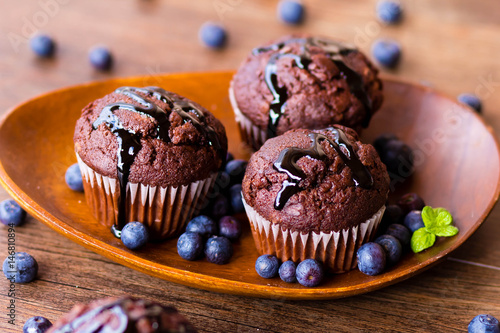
124	314
300	81
316	180
153	136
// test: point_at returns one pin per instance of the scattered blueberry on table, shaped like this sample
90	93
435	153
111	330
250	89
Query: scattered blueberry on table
471	100
236	170
236	199
134	235
230	228
309	273
386	52
218	250
36	325
287	271
73	178
11	213
220	206
213	35
389	12
100	58
371	258
202	225
190	245
23	266
484	323
43	45
291	11
267	266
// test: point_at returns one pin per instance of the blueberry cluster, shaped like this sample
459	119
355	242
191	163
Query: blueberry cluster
204	236
398	223
308	273
396	155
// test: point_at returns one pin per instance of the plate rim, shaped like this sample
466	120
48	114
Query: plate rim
217	284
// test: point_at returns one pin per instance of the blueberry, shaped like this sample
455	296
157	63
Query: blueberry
230	228
220	206
411	201
213	35
21	268
400	232
135	235
413	220
392	247
236	170
236	198
287	271
267	266
471	100
202	225
43	45
229	157
190	245
11	213
222	182
371	258
398	158
389	11
218	250
309	273
36	325
100	57
392	214
74	178
386	52
484	323
381	141
291	11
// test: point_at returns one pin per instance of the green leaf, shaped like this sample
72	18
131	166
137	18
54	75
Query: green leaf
429	216
421	240
445	231
443	217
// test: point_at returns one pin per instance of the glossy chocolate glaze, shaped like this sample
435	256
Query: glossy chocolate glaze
288	158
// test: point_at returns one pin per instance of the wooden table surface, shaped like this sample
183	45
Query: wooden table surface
452	45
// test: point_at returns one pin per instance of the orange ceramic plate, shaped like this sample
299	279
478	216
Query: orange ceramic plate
457	167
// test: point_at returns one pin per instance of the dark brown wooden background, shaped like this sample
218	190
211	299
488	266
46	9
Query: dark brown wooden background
453	45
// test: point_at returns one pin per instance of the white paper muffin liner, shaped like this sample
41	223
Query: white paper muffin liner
336	250
165	210
250	134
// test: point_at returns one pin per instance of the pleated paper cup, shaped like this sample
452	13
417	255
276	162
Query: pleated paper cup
250	134
336	250
165	210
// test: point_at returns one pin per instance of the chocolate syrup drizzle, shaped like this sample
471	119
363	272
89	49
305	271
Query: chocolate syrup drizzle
117	308
129	142
335	50
288	158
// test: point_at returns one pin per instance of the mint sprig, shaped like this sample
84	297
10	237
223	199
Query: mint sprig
438	223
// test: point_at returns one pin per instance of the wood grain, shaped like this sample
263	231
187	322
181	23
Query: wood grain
450	44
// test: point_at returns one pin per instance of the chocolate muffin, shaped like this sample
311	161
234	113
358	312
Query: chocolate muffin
315	194
301	81
147	155
124	314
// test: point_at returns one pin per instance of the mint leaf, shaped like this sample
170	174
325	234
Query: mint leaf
421	240
445	231
429	216
443	217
